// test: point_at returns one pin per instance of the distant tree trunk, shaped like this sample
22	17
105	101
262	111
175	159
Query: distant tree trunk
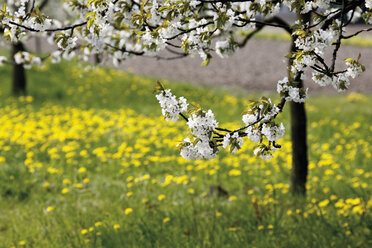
19	81
97	59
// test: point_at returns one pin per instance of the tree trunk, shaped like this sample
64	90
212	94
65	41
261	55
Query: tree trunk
298	137
299	148
97	59
19	75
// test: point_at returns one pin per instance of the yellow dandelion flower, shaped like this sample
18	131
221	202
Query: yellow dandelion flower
78	185
29	98
161	197
233	198
84	231
82	170
116	226
22	243
358	209
191	191
65	191
260	227
356	184
83	153
46	185
333	197
352	201
235	172
86	180
128	211
66	181
98	223
218	214
49	209
323	203
166	219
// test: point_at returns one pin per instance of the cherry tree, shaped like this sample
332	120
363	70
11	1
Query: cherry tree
122	29
19	79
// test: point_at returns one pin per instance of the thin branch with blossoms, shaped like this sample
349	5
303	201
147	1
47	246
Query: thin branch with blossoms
206	137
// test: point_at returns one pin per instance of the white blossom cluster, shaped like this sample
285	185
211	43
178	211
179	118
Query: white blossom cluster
369	4
318	41
171	107
341	80
353	69
189	151
249	118
2	60
234	140
302	64
312	5
273	132
202	126
264	153
254	134
291	93
26	59
201	150
225	48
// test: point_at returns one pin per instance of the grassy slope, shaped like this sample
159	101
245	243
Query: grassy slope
92	147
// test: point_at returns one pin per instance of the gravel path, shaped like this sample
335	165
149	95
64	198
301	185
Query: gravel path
256	67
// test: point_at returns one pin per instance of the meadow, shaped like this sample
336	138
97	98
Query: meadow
87	160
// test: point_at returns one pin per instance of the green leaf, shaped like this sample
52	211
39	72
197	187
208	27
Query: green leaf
350	60
90	14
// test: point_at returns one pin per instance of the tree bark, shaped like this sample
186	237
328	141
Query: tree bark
299	141
299	148
19	81
300	162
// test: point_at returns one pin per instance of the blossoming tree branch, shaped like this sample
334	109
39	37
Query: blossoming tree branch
122	29
208	137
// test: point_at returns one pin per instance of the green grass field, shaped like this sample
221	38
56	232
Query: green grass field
87	160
